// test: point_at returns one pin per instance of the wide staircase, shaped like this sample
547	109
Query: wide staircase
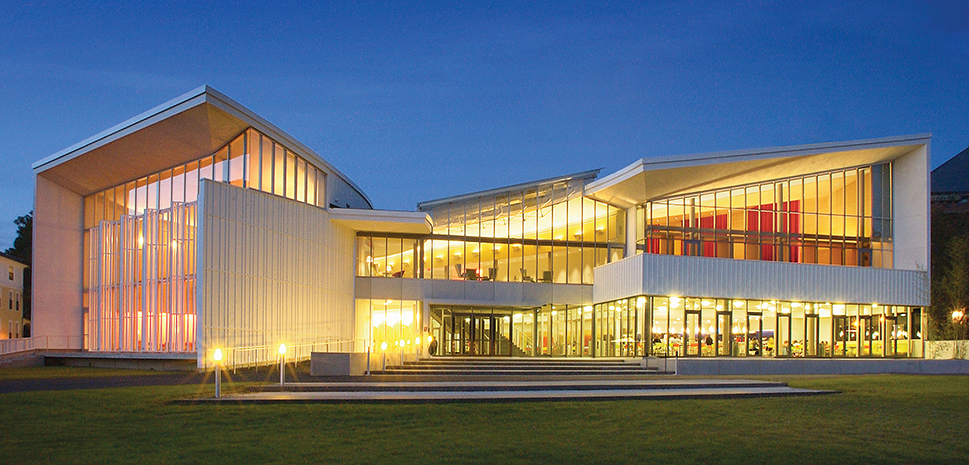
513	379
519	368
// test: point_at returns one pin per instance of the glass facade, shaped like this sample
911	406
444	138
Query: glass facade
663	326
390	326
139	282
708	327
546	232
554	330
549	232
834	218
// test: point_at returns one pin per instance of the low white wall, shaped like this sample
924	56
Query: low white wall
458	292
947	350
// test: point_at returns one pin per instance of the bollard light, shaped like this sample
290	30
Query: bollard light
217	356
282	364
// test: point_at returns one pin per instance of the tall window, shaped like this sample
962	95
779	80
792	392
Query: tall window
834	218
140	237
543	232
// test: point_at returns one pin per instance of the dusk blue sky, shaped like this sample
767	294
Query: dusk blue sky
417	100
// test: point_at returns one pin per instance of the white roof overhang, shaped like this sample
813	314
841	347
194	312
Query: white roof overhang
186	128
382	221
655	178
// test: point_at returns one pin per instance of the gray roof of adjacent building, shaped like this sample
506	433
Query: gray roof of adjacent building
953	175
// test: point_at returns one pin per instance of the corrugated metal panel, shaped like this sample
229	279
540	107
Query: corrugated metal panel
273	271
747	279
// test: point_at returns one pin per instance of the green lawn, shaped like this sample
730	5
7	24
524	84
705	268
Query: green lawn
71	372
876	419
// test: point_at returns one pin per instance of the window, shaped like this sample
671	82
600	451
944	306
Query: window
10	273
17	304
11	301
842	217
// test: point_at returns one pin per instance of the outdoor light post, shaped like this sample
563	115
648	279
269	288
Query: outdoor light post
217	356
282	364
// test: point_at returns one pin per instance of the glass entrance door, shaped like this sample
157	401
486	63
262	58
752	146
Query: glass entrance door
466	331
865	336
840	334
692	330
783	339
755	334
811	335
899	335
725	336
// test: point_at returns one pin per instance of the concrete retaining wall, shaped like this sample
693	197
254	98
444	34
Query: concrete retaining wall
947	350
338	364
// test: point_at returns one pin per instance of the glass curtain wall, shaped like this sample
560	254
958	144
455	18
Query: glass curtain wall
139	242
834	218
549	330
709	327
394	326
546	233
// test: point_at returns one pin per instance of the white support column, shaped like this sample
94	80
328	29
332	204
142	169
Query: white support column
631	231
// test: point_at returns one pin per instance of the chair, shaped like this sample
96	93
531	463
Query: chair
492	274
525	276
546	276
471	274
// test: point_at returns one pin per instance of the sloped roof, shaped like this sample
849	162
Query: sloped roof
186	128
660	177
953	175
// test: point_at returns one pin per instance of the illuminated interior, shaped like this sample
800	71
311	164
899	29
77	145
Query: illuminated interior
140	242
708	327
390	325
835	218
541	232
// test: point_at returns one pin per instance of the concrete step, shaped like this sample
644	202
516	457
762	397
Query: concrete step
520	363
511	372
519	386
517	367
508	395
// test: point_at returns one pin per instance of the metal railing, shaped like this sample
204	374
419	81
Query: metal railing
253	356
24	344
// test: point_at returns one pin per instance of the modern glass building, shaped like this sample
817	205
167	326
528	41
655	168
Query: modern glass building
198	225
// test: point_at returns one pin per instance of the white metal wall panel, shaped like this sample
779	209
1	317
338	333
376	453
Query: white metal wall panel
910	204
749	279
459	292
273	271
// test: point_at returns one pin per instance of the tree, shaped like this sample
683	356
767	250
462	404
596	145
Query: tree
21	250
950	273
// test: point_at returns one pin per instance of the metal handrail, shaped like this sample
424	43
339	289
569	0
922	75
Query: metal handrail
25	344
252	356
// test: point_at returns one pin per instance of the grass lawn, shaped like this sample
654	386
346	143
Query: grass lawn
877	419
70	372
